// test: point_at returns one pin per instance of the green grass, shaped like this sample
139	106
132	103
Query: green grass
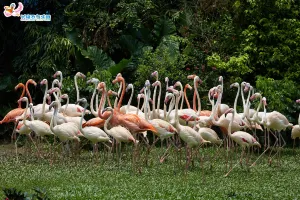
83	178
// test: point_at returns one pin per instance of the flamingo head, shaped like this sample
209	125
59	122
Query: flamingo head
129	86
64	96
19	86
298	101
254	96
31	81
110	93
155	74
48	99
247	87
101	85
23	99
55	89
119	74
188	86
108	109
58	73
230	110
234	85
197	80
82	100
93	80
168	97
264	100
53	104
139	96
220	78
192	76
142	90
178	83
81	75
156	83
44	82
147	84
167	79
117	79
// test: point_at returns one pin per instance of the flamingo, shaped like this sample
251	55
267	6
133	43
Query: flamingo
131	121
222	107
59	73
119	133
127	108
244	139
66	131
187	86
75	120
74	110
39	127
164	129
16	114
40	109
94	134
296	128
95	81
186	133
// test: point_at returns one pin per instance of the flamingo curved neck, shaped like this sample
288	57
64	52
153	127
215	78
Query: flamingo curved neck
230	124
102	103
130	99
198	97
158	101
107	121
76	87
92	102
44	100
24	115
186	99
22	95
81	119
28	93
53	118
122	94
236	98
257	110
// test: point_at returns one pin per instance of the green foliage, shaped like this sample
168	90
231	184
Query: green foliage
280	95
235	65
14	194
166	59
99	58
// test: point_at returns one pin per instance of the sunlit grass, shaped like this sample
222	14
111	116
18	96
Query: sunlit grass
82	177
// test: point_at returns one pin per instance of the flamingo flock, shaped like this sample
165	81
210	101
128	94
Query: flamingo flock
113	124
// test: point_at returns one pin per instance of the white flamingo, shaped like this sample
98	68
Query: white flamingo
94	134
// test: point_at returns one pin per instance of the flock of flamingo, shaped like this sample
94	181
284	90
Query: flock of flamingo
118	124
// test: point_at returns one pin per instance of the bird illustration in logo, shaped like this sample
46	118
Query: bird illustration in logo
12	10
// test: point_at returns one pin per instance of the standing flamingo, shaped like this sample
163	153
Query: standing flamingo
296	129
119	133
94	134
244	139
66	131
186	133
39	127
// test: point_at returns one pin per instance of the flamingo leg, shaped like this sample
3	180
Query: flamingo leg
240	161
165	154
16	146
36	147
270	158
254	163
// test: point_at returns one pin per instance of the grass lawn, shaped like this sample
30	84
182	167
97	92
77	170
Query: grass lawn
84	178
